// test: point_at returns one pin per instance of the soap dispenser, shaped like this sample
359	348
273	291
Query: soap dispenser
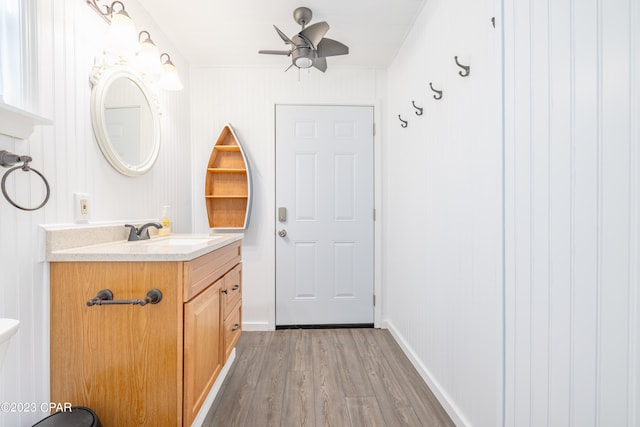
165	221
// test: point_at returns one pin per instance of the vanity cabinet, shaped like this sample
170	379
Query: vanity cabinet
150	365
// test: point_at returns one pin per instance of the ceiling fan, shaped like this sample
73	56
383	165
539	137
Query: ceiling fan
309	48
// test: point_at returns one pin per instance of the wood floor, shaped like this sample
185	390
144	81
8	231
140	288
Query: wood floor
323	377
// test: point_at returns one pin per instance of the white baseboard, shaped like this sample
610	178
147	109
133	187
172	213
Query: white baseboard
442	396
211	397
256	326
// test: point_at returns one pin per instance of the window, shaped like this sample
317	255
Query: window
11	53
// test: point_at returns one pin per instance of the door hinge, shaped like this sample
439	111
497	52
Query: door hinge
374	214
374	300
374	129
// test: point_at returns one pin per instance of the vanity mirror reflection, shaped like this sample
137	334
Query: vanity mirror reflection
125	118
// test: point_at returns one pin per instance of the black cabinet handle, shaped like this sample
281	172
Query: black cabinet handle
105	297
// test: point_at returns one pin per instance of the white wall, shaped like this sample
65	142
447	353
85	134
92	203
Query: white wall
69	36
442	207
245	97
572	131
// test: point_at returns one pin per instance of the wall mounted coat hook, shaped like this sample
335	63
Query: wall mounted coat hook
404	123
438	94
466	70
418	109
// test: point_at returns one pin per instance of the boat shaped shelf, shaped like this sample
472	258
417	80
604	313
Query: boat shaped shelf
228	183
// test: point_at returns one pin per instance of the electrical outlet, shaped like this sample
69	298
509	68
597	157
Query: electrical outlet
81	207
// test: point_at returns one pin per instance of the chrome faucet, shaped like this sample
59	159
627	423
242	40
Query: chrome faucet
141	233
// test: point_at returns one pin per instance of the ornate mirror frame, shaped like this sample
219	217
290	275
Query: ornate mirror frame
102	77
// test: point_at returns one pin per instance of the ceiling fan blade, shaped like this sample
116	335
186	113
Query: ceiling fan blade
329	47
320	64
276	52
283	36
314	33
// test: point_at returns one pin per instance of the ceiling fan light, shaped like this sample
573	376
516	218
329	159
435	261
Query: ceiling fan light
303	62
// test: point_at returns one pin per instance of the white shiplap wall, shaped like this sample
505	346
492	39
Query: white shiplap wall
572	102
69	35
245	97
572	132
442	207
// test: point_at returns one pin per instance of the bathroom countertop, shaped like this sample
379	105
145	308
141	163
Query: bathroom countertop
176	247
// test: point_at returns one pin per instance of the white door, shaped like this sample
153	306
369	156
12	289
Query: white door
324	219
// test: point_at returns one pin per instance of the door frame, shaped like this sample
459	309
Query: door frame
377	196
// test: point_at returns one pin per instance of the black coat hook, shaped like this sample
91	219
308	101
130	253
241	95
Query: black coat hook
466	69
404	123
419	109
438	92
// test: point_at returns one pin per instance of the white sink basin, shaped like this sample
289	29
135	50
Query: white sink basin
181	241
8	327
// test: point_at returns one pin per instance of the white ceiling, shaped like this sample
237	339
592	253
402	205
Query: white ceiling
230	32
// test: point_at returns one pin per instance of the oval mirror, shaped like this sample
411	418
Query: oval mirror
124	115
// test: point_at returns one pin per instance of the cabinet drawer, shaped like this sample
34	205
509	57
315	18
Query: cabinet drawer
203	271
231	290
232	329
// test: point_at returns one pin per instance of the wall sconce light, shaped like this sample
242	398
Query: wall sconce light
106	15
148	59
169	79
122	37
135	48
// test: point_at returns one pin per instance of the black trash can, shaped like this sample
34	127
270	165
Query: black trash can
76	416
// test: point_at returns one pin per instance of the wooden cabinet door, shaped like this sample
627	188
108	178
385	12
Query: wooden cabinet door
202	348
122	361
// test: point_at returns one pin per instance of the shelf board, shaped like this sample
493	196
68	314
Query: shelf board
226	148
226	170
228	196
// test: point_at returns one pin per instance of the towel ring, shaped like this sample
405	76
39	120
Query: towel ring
8	159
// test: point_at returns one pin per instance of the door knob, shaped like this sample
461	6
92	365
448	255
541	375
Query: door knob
282	233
